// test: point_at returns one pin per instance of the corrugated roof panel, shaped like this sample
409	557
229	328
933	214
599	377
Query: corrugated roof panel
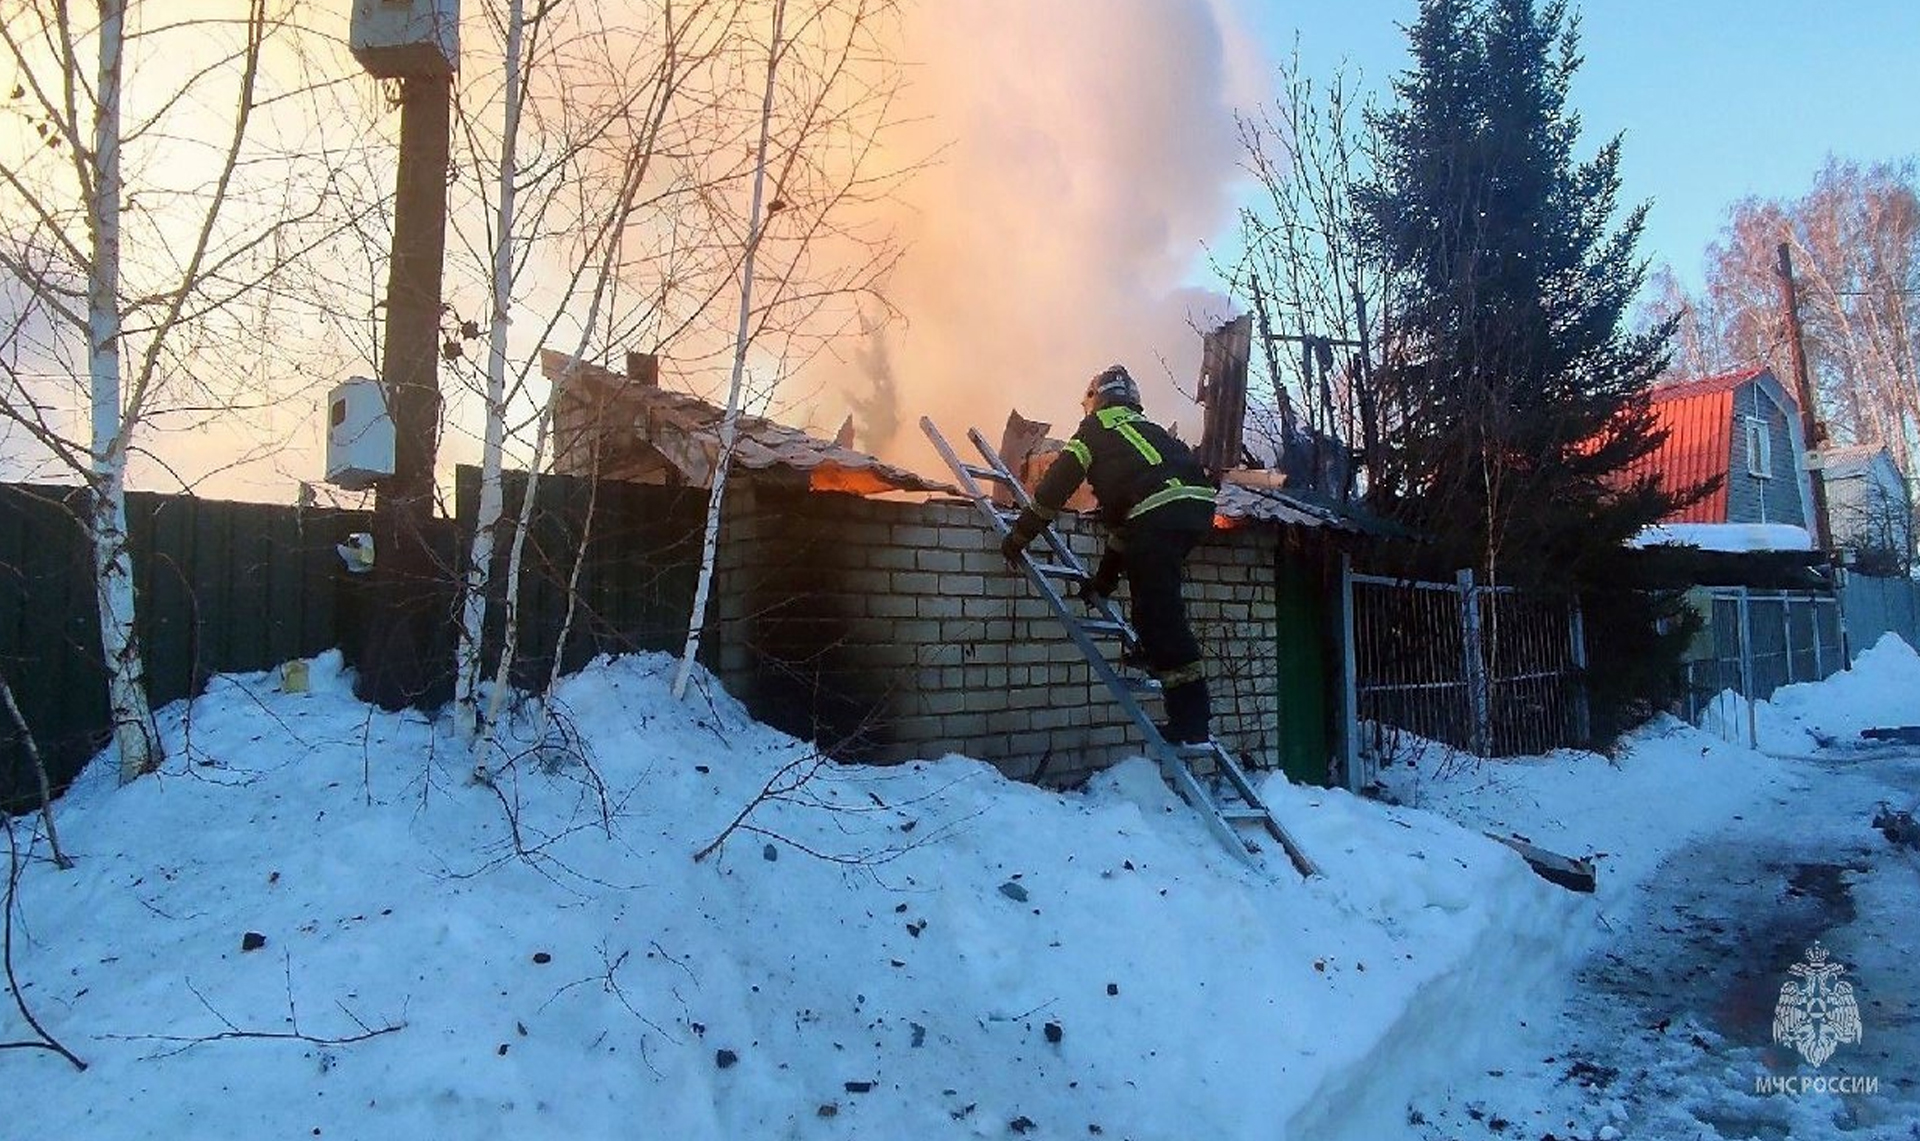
1725	382
1273	505
1699	444
760	444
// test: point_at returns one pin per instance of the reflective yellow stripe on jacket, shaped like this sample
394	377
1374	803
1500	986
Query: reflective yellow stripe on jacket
1173	492
1120	419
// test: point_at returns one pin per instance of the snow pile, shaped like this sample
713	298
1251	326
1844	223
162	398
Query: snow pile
1880	690
1668	784
927	950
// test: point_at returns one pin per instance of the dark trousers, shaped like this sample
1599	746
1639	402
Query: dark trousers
1153	562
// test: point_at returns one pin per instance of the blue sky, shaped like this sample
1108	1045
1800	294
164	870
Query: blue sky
1718	99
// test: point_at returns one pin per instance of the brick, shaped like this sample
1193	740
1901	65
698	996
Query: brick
936	652
962	585
937	560
890	558
967	731
938	606
917	632
914	536
984	607
985	700
973	538
1028	653
1032	744
890	655
1054	718
892	606
905	582
943	702
965	632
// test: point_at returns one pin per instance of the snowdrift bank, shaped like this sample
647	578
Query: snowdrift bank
921	951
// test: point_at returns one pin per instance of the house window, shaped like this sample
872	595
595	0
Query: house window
1759	449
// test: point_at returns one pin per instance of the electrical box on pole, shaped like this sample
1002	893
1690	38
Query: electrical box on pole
359	435
401	39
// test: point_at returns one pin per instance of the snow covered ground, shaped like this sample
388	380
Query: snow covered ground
1667	1030
315	922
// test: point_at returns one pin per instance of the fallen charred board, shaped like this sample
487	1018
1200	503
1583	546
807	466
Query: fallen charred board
1570	873
1905	734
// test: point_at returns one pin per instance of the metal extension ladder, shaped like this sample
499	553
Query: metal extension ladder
1225	803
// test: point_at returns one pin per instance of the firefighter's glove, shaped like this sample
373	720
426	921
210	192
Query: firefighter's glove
1011	548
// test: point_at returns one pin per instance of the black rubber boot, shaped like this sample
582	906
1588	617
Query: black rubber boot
1189	713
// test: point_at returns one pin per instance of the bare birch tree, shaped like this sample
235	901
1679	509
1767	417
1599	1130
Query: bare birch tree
1855	239
730	423
480	556
1301	274
632	180
201	240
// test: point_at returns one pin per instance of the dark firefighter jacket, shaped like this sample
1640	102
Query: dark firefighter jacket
1142	477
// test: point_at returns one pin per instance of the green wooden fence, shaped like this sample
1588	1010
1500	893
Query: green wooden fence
635	587
236	587
218	587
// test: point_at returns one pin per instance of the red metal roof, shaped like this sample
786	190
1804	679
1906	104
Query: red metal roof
1697	416
1725	382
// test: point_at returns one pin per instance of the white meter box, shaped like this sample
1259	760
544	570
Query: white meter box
359	435
394	39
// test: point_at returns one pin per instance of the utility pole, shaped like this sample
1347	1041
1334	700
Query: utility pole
415	42
1811	428
407	578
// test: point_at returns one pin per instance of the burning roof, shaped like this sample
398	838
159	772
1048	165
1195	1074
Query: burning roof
625	426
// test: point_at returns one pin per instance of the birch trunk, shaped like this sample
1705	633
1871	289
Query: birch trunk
573	601
134	733
39	771
730	423
473	611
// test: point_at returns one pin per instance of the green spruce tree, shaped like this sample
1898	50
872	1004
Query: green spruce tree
1513	397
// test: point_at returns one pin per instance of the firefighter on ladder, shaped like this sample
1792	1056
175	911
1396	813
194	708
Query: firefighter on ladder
1156	503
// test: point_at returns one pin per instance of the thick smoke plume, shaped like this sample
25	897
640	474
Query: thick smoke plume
1085	151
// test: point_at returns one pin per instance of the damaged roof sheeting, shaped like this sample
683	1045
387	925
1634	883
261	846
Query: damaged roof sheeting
648	430
1239	504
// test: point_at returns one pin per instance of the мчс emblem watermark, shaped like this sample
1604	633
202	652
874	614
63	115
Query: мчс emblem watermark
1817	1015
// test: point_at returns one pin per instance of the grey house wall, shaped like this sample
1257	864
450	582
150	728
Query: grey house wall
1868	504
888	631
1775	498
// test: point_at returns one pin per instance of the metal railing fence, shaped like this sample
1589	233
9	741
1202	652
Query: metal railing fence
1492	670
1754	642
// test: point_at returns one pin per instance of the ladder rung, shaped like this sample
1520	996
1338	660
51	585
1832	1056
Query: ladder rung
1242	812
1202	749
1101	626
978	472
1057	570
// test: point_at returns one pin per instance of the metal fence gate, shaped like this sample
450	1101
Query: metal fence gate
1493	670
1754	642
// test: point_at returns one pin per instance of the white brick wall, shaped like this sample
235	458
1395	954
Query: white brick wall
835	614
